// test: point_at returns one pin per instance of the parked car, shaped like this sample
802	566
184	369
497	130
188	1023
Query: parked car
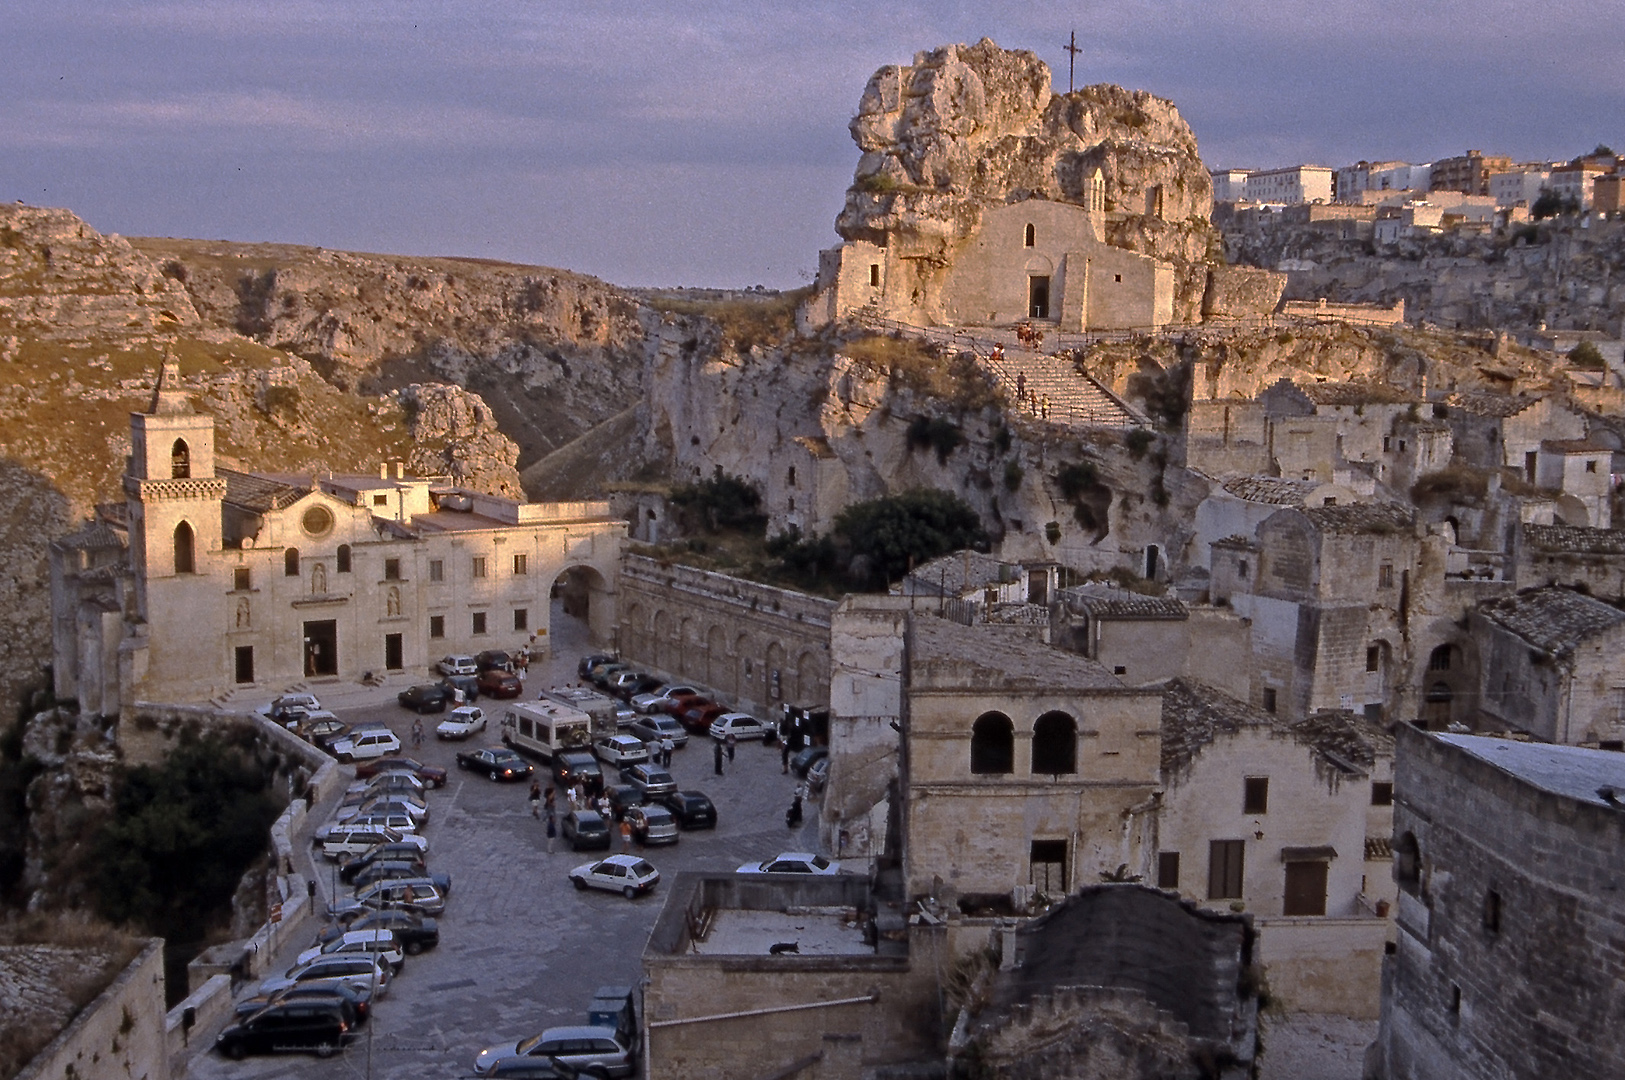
356	1005
387	783
626	874
627	683
467	685
585	830
592	660
625	715
288	703
571	766
431	775
388	870
414	932
424	895
741	726
464	721
497	683
818	776
700	718
678	704
493	660
424	698
612	1007
601	675
657	726
369	743
394	803
793	862
495	762
362	972
619	750
379	943
652	825
353	838
651	778
692	809
544	1068
655	700
298	719
577	1047
324	733
316	1026
398	820
394	851
800	763
457	664
622	796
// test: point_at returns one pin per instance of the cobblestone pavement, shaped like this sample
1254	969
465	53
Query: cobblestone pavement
521	949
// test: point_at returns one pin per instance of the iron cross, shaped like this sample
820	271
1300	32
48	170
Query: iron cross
1071	60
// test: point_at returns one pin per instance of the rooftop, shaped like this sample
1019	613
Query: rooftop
1275	490
1570	771
959	572
1352	393
1361	518
1551	618
1195	714
261	494
1588	445
1005	656
813	931
1487	404
1111	602
1575	538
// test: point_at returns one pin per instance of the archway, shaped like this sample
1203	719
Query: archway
992	744
716	656
580	617
1055	745
185	549
660	650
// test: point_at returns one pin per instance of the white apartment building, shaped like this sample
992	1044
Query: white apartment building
1521	185
1293	184
1229	185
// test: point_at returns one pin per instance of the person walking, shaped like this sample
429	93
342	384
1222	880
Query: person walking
626	837
666	747
792	817
552	828
417	733
536	798
784	754
716	757
730	743
550	800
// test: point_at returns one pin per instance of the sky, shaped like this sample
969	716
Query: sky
704	144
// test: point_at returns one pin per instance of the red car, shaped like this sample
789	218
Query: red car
698	718
679	704
431	775
500	684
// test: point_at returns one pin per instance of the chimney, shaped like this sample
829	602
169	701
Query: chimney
383	470
400	470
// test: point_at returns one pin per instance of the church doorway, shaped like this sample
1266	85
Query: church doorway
322	647
1038	296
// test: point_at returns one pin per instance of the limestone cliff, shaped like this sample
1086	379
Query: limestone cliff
965	128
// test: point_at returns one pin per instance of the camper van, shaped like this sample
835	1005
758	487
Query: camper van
596	705
544	728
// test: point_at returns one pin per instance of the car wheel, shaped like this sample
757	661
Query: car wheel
326	1049
413	948
629	892
235	1050
579	883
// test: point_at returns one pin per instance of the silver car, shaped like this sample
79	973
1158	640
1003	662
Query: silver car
582	1048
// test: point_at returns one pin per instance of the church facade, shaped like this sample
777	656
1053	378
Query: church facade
209	579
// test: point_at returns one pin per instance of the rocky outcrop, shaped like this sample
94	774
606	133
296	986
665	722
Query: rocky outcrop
968	127
455	435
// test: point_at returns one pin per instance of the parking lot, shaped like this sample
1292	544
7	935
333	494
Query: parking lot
521	949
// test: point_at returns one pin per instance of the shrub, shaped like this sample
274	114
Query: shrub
936	432
1586	355
722	502
1138	442
1013	473
1077	478
1052	531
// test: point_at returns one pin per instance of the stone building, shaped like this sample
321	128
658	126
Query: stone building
1289	185
1025	769
807	486
1289	822
1508	963
1580	470
1325	588
1552	664
1470	172
1499	430
1592	559
234	579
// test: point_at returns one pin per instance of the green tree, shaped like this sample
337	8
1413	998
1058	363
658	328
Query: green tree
722	502
1586	355
904	530
181	836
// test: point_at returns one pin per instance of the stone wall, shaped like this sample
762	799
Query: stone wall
865	706
119	1035
756	645
1331	966
1535	996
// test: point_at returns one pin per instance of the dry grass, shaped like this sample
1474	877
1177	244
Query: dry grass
745	323
914	365
23	1036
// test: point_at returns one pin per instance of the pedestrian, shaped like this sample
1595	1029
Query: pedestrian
603	807
792	817
1045	408
626	837
550	800
536	798
417	733
1021	384
716	757
666	747
731	742
784	754
575	795
552	828
801	790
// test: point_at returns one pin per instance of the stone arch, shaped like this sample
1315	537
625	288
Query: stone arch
773	673
586	594
812	684
716	656
185	549
660	647
1569	510
1029	236
180	460
1408	864
992	745
744	667
1055	744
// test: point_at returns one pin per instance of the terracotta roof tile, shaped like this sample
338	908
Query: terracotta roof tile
1552	619
1575	538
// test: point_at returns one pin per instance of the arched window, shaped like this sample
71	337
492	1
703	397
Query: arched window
344	559
180	460
1408	865
1032	234
1055	744
992	744
1439	659
290	562
185	549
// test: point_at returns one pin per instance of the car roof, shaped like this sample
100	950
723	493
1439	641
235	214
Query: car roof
805	856
580	1031
586	815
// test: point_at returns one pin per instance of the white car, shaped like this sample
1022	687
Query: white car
620	750
384	782
371	743
651	702
347	839
464	721
740	725
793	862
626	874
301	717
393	803
457	664
379	943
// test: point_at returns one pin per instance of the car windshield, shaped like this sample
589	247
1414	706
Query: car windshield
527	1045
642	869
820	862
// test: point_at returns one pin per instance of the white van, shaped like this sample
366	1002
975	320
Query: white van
545	727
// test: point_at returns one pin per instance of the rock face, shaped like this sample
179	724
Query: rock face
968	127
455	435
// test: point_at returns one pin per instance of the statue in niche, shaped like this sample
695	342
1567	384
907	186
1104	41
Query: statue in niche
242	614
318	579
392	602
